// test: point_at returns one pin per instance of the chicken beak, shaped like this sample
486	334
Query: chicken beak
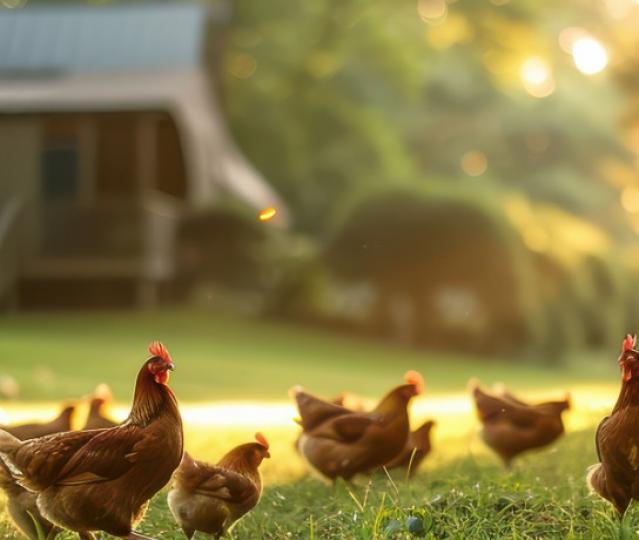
170	366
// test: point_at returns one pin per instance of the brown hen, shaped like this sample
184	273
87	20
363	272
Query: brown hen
346	443
511	426
62	422
102	480
417	447
211	498
97	419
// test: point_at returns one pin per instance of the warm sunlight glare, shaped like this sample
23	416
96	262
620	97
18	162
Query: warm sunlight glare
267	214
537	78
589	55
454	410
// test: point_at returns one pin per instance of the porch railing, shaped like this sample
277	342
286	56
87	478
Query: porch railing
111	238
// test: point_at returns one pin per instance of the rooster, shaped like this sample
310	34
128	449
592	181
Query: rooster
417	447
511	426
616	476
60	423
211	498
96	418
348	443
102	480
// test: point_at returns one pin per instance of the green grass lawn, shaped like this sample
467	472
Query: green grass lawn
544	497
462	491
57	357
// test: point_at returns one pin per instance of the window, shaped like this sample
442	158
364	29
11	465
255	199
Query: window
60	180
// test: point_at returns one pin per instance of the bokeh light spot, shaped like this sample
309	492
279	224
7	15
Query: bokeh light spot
432	11
537	78
474	163
242	65
589	55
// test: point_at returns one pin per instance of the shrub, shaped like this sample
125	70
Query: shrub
448	269
223	245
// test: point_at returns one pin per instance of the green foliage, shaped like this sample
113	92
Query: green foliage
347	97
224	244
311	114
573	291
343	94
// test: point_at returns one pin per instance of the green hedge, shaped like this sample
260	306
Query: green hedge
449	261
567	291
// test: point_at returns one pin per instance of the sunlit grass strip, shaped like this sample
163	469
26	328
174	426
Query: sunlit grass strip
586	400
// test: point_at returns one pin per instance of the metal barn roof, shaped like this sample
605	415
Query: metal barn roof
73	38
132	57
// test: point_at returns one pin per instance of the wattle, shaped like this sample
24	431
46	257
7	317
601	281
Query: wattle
162	377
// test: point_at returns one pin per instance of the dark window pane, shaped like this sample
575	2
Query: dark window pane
59	173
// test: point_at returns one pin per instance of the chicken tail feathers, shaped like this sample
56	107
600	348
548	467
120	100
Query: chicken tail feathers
5	475
8	443
595	478
615	493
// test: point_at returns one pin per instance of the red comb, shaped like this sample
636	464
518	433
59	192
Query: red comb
261	439
416	379
629	343
157	349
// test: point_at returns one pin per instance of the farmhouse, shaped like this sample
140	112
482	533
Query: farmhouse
109	134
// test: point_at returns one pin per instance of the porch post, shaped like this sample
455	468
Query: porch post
146	169
146	149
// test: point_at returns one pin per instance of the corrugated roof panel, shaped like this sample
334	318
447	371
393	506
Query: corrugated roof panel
143	37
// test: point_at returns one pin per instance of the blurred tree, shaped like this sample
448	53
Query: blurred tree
320	92
338	93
